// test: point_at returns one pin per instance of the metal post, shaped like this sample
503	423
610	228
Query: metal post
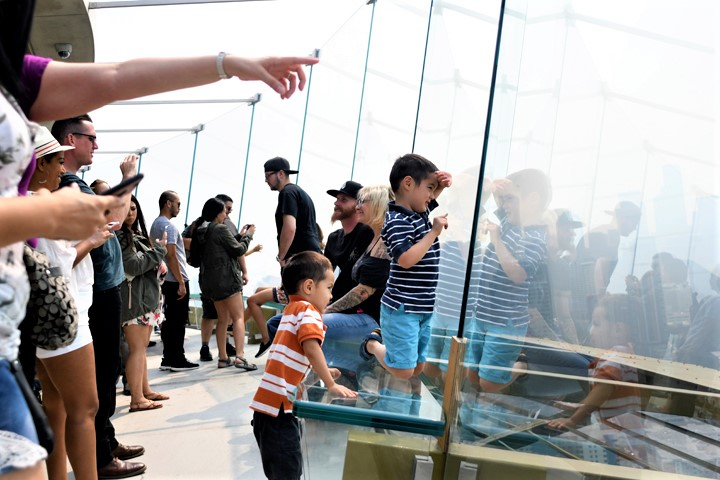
140	154
316	54
257	98
362	90
197	131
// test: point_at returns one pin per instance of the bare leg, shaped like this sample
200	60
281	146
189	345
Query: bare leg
70	378
231	309
136	368
254	302
221	330
206	328
378	349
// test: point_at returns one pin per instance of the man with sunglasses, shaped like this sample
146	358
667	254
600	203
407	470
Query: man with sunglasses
79	132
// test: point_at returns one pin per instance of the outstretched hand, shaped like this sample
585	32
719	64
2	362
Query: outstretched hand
282	74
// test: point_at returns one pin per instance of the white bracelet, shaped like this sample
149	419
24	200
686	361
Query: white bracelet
219	66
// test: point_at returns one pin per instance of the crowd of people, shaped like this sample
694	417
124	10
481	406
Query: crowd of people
37	89
377	283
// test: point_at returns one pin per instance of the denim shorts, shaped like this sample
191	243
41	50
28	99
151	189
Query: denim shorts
405	336
18	441
488	349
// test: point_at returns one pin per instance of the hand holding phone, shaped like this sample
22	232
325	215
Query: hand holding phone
124	187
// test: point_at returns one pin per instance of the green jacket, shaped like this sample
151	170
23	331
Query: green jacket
220	274
141	289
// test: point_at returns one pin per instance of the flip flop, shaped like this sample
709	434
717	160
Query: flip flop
224	363
141	407
374	335
244	365
156	396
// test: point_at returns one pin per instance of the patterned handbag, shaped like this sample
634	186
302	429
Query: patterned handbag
51	309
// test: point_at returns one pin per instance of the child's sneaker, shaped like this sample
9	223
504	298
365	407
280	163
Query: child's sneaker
374	335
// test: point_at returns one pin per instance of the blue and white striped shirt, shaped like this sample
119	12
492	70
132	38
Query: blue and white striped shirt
500	300
413	288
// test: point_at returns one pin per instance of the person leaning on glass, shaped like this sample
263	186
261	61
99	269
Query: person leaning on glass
43	90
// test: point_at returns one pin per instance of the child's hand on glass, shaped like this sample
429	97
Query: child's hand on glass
340	391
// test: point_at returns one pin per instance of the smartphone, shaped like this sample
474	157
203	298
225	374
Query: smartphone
126	186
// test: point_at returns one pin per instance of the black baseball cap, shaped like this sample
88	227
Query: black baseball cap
349	188
565	217
277	164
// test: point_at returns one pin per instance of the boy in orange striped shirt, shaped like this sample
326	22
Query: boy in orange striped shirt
308	279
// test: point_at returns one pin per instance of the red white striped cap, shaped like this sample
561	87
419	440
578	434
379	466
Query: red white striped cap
45	143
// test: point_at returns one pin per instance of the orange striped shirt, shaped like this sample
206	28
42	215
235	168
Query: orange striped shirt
287	364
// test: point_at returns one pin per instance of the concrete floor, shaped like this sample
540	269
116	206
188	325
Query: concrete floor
203	431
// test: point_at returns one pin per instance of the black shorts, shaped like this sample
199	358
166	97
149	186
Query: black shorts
208	308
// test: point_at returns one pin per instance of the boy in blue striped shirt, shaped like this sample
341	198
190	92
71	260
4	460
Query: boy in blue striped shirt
518	248
412	242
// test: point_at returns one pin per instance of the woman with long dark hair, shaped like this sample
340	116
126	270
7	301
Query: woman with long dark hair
221	276
141	307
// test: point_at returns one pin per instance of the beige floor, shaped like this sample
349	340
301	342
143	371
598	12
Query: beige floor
203	431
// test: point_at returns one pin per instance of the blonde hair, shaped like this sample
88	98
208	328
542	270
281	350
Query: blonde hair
375	199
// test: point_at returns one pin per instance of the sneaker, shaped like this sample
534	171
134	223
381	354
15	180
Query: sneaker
164	365
205	355
230	350
263	349
183	366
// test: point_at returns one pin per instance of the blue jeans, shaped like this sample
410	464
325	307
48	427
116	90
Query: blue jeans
343	335
14	414
345	332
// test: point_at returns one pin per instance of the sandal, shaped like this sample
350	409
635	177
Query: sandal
141	407
243	364
374	335
224	363
156	396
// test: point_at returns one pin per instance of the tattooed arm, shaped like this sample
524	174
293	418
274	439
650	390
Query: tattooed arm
354	297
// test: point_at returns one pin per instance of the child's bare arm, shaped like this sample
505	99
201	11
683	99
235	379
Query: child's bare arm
597	396
317	360
444	180
415	253
508	262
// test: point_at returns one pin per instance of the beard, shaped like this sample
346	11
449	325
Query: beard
341	215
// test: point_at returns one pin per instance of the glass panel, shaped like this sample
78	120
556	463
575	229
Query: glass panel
591	336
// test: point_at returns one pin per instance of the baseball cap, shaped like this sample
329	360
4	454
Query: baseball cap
349	188
625	209
277	164
45	144
565	217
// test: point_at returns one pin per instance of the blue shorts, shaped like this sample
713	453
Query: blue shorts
488	350
395	401
405	336
18	443
443	329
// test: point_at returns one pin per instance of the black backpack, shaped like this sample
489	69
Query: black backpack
197	250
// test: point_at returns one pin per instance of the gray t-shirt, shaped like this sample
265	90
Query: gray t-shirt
159	226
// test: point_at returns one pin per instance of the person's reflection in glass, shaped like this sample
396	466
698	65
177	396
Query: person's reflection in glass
700	346
518	248
614	328
379	390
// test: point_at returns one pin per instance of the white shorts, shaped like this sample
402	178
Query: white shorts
83	338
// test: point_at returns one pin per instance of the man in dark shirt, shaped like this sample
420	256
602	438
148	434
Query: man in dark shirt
104	314
295	214
345	245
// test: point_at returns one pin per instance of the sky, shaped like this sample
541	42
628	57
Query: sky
614	99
